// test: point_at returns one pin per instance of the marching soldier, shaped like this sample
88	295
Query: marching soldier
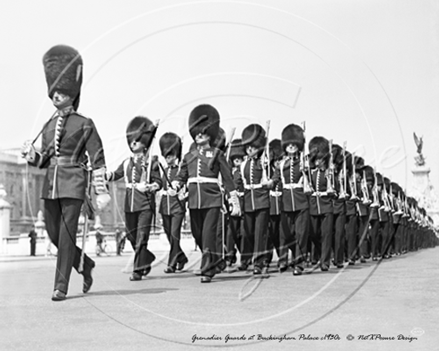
142	180
295	205
66	138
339	210
235	230
383	211
321	206
363	212
256	197
200	168
351	210
172	204
275	156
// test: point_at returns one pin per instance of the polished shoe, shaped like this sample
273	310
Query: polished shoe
351	262
243	267
146	271
297	271
88	279
58	296
181	265
363	260
205	279
282	268
257	270
135	276
324	268
340	265
169	270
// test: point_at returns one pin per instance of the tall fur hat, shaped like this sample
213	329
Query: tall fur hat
369	173
319	149
293	134
170	144
387	183
396	189
338	158
237	149
275	150
359	164
63	67
141	129
254	135
379	179
204	119
220	140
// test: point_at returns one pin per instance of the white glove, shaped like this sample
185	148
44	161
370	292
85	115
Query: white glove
267	183
171	192
175	184
235	204
182	195
102	200
28	151
151	188
142	187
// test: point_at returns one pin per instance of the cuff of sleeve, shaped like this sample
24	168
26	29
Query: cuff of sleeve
99	181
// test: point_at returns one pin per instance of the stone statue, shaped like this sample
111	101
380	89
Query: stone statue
420	160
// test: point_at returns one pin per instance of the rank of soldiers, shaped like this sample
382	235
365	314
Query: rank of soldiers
310	202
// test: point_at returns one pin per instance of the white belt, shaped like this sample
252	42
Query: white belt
275	193
292	186
320	193
253	186
193	180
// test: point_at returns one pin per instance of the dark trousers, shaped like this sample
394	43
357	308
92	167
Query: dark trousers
138	232
322	231
362	235
294	230
351	235
172	225
61	216
339	240
222	226
255	236
33	246
383	234
204	229
374	237
233	238
273	240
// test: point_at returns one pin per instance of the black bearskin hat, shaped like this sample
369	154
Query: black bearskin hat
369	173
338	158
387	184
237	149
170	144
293	134
395	188
254	135
220	140
379	179
141	129
63	67
359	164
204	119
275	150
319	149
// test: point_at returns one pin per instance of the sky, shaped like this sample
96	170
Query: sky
364	72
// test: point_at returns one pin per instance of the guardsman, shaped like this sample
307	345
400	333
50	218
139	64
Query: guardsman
200	169
363	210
383	210
275	156
234	236
339	210
370	247
70	145
294	181
397	214
321	205
388	232
351	210
254	176
142	180
172	205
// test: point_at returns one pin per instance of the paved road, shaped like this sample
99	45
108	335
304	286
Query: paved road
165	312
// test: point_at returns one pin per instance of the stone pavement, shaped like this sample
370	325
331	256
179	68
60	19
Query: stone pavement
167	312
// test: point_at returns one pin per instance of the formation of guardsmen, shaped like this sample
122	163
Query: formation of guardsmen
307	202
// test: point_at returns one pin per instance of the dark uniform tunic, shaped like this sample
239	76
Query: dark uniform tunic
234	235
65	141
139	207
295	212
200	168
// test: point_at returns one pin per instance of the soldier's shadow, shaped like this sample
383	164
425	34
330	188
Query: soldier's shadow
125	292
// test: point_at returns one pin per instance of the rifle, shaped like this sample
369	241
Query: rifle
265	154
307	187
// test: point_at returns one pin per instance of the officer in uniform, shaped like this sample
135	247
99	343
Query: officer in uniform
67	138
172	204
142	180
200	169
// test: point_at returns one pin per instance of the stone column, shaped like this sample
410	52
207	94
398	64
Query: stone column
5	218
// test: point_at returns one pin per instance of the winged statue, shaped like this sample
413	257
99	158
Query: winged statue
420	160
